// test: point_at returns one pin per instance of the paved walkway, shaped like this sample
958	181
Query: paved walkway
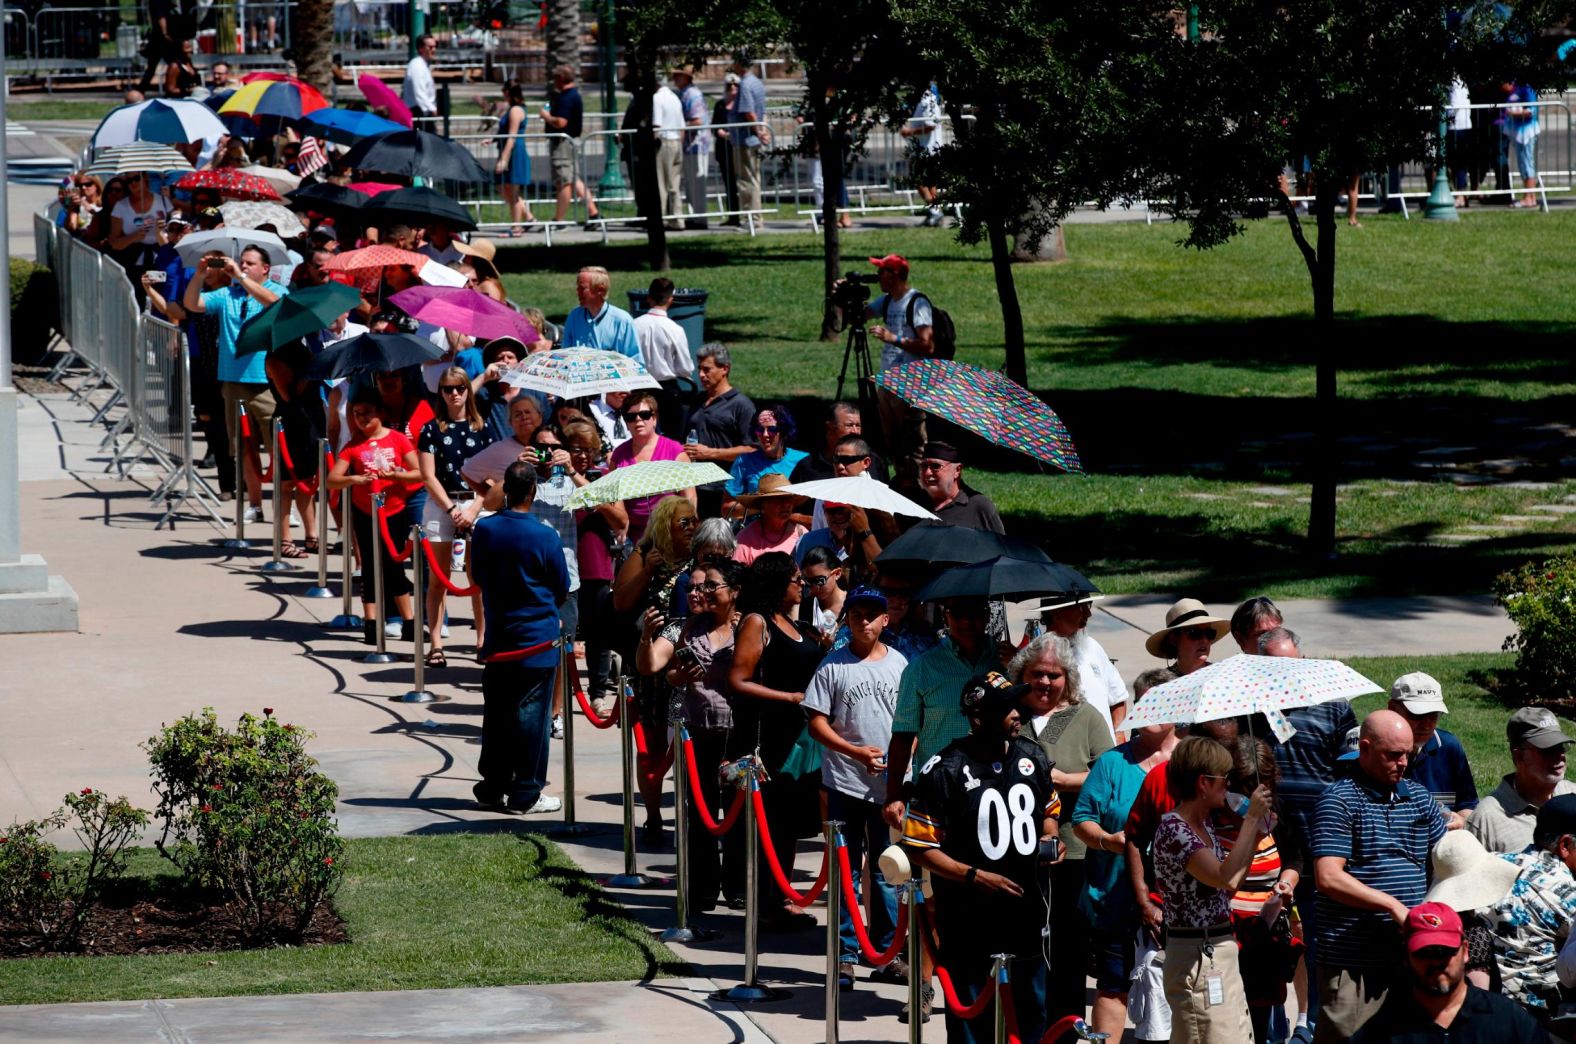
171	622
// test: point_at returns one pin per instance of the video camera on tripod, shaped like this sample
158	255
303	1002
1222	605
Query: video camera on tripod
850	294
848	300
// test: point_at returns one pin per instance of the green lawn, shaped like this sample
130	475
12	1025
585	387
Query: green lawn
57	109
453	910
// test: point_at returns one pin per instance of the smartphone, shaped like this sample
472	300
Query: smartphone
157	277
685	658
216	263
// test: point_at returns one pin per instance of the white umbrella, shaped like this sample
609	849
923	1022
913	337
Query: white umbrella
246	213
230	242
1244	685
130	159
860	491
282	180
570	373
176	121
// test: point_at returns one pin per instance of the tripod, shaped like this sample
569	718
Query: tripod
857	350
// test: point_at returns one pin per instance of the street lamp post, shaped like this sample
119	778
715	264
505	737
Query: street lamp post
612	183
1441	202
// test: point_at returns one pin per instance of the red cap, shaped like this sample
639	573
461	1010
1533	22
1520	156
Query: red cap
1432	924
896	262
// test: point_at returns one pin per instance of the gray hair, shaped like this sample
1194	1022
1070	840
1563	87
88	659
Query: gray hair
714	532
1149	679
1279	634
717	352
1057	648
1249	614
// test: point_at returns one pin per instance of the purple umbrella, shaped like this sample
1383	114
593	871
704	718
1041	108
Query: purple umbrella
465	311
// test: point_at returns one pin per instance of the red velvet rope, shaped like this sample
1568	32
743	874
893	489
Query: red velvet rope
777	871
641	749
590	711
519	654
851	900
388	541
954	1004
442	574
713	827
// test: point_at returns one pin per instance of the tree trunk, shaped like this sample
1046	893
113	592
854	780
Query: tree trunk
1321	516
831	153
1016	366
647	198
312	39
1052	247
563	36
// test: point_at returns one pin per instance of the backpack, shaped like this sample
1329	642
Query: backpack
944	336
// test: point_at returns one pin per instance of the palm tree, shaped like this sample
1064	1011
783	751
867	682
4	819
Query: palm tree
563	35
312	38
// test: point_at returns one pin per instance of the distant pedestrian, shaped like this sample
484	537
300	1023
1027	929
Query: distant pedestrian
749	141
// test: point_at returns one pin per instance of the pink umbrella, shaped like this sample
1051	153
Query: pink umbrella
372	188
464	311
381	95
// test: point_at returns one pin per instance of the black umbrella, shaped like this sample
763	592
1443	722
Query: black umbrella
937	542
1008	578
331	200
414	153
373	353
419	205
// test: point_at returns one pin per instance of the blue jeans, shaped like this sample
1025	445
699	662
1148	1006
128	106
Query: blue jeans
863	831
1310	934
517	704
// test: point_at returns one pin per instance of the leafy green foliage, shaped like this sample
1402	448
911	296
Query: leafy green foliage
1541	598
246	813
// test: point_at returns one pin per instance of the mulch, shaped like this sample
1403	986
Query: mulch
147	921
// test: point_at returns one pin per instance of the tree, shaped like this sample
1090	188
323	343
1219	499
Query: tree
1351	85
312	40
563	35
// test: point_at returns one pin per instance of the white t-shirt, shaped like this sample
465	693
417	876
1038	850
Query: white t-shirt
858	697
664	346
894	316
1101	686
147	221
1460	106
928	117
667	114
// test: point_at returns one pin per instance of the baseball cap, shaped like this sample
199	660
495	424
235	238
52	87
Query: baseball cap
1419	693
326	233
991	691
1536	726
867	595
1432	924
896	262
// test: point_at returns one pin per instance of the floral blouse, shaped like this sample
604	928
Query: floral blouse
1189	902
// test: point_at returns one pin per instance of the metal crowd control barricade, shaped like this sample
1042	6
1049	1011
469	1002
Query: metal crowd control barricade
486	202
320	589
682	931
750	991
118	315
567	681
834	942
161	410
916	982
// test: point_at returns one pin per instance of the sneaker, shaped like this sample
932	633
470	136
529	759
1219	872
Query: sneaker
295	517
544	803
927	998
394	630
895	970
558	726
252	514
603	705
845	976
443	629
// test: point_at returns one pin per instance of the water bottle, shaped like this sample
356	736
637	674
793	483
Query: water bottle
692	439
1238	804
459	554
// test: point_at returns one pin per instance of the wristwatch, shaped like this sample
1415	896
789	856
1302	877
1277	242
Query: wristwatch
863	534
970	874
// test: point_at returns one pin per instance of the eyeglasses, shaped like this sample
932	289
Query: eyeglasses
816	581
462	388
766	429
688	522
1212	777
796	580
1198	634
640	415
711	587
933	465
853	459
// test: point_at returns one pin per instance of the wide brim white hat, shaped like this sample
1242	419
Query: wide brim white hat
1467	876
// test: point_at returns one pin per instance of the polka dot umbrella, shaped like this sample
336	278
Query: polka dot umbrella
231	184
1243	685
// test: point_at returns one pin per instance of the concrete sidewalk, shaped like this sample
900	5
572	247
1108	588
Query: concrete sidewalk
171	622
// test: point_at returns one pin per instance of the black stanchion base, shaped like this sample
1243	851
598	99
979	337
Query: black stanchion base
345	623
636	881
418	696
276	567
377	657
231	543
689	935
744	993
319	592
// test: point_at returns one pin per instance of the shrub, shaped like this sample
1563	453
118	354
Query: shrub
51	894
35	307
1541	601
247	814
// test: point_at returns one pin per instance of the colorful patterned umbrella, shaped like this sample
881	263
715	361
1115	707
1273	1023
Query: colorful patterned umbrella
251	214
860	491
286	97
986	403
130	159
646	479
571	373
229	183
1242	685
174	122
465	311
366	265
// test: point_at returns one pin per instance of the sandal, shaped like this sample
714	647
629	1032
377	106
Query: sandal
289	549
311	545
435	658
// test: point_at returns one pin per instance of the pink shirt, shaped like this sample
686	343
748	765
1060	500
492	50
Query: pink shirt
640	507
753	541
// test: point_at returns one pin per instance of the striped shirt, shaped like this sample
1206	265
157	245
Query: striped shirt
1306	761
927	698
1385	837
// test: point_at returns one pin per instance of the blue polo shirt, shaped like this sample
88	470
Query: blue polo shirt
1385	837
519	563
234	306
1441	768
611	330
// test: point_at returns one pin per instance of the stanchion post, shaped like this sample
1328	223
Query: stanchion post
418	640
320	589
239	540
916	957
346	620
750	991
1001	975
681	932
834	942
277	564
631	877
380	625
566	679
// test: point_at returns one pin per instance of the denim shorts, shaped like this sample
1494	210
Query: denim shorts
1111	958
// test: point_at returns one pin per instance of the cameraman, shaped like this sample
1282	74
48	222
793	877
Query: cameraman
906	336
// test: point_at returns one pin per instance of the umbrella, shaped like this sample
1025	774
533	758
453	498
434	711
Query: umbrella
372	188
415	153
366	265
1005	577
174	122
373	353
860	491
296	315
421	206
287	98
464	311
1244	685
229	183
932	542
129	159
282	180
382	96
646	479
248	214
347	126
986	403
327	199
571	373
230	242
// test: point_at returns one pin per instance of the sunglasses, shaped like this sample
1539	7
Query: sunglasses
711	587
1198	634
816	581
933	465
766	429
456	388
688	522
851	459
640	415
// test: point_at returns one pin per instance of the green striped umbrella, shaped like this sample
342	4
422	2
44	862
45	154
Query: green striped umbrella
143	155
646	479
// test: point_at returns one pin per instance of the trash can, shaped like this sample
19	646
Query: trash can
688	310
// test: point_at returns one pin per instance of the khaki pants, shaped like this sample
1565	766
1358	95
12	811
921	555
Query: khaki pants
670	166
259	402
747	172
1189	965
1347	999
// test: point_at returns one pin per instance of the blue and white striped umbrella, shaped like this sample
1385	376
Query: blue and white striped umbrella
175	122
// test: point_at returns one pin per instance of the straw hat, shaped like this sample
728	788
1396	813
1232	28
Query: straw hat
771	485
481	252
1188	612
1466	875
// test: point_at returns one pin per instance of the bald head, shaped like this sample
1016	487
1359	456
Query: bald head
1383	747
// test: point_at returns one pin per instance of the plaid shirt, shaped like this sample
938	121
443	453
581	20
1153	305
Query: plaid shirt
1531	923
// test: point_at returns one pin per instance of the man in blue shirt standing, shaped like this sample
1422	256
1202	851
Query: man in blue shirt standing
519	564
597	324
242	378
566	115
749	141
1438	763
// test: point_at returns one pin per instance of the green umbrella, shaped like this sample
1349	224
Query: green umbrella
646	479
296	315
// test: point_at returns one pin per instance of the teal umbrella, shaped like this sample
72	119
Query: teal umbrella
296	315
